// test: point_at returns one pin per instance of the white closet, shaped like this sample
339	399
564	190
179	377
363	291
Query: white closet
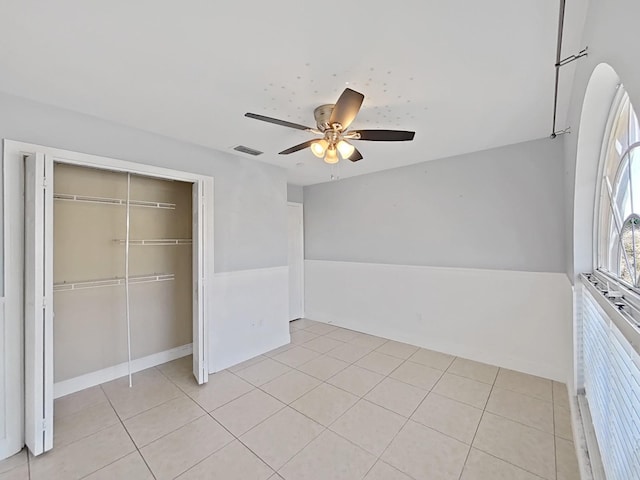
72	206
89	300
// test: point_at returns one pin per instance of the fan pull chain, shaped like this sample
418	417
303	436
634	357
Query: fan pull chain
335	171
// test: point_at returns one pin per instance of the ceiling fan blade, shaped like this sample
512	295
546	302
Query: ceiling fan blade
384	135
346	108
355	156
297	148
277	121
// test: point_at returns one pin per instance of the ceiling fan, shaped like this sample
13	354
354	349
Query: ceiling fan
332	123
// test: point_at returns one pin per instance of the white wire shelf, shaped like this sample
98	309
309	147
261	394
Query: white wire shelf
112	201
155	241
112	282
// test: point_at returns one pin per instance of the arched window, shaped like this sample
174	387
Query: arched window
618	252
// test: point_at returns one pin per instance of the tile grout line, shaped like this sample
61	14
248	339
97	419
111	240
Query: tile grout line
404	360
321	382
279	410
326	428
408	418
298	452
205	414
354	363
518	421
119	420
142	412
257	387
209	414
511	463
506	418
325	381
555	446
225	446
155	368
326	354
28	464
84	437
484	409
288	460
491	391
128	434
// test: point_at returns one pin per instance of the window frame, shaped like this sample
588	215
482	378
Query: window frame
609	281
604	217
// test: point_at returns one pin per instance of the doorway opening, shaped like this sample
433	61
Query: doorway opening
296	260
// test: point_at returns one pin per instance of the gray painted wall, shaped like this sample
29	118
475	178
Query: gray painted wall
496	209
250	197
295	193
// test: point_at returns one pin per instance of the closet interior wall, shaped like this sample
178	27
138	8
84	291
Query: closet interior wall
90	327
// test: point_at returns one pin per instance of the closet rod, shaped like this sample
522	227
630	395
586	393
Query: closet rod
126	277
112	282
67	197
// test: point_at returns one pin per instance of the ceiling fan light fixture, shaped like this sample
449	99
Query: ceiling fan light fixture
333	121
331	156
319	148
345	148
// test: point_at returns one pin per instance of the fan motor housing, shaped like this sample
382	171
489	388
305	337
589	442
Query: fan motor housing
322	114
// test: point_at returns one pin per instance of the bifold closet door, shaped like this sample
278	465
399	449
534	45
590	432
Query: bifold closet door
38	303
200	363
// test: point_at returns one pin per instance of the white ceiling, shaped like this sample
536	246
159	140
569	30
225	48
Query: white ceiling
466	75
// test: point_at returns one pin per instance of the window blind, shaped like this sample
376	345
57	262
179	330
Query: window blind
611	372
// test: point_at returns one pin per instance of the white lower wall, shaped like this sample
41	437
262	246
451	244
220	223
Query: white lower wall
250	315
516	320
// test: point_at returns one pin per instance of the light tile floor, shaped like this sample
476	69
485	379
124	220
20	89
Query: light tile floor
334	404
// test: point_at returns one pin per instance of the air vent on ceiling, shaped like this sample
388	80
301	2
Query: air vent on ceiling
247	150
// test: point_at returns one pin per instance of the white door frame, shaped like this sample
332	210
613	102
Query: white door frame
300	206
13	224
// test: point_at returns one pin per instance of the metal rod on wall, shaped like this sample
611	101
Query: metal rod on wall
126	278
560	62
558	54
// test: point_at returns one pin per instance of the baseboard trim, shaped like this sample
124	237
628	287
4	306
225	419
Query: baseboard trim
92	379
585	441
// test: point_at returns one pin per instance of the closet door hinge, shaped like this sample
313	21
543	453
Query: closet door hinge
44	425
44	303
44	183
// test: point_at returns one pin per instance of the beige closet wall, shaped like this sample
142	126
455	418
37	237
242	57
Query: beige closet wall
90	324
